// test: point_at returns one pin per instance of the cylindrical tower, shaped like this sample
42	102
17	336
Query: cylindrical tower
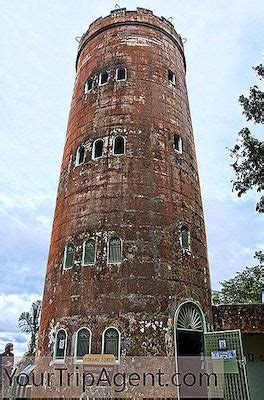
128	246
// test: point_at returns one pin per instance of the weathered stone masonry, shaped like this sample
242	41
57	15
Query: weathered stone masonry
144	196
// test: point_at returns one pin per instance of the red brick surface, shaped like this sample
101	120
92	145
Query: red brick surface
249	318
143	196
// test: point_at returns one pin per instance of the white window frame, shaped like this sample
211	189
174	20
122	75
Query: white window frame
114	154
77	160
100	78
121	80
121	250
119	341
173	81
86	91
60	360
78	360
189	239
180	143
93	150
95	250
65	256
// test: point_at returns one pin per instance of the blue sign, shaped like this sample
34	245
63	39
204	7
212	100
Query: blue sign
226	355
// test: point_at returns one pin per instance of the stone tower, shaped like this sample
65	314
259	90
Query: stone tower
128	246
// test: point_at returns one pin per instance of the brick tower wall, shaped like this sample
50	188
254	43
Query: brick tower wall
143	196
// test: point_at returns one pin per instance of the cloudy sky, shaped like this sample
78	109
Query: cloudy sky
37	68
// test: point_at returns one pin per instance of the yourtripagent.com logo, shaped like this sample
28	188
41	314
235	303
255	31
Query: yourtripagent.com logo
131	377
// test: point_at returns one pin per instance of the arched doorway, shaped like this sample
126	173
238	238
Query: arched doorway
189	328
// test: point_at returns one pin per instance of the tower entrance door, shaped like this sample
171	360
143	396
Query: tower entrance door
189	349
189	343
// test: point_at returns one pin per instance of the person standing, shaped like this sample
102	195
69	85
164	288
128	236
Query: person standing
6	361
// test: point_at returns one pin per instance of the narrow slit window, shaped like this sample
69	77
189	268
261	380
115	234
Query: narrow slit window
80	155
185	238
68	256
60	344
177	143
98	148
114	250
111	342
121	74
171	77
89	85
89	252
103	78
119	145
83	343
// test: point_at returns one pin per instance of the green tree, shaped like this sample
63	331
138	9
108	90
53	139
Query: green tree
248	151
28	322
245	287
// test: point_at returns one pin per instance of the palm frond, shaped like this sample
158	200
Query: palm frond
25	322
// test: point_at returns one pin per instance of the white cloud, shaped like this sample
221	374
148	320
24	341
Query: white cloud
44	220
31	200
11	306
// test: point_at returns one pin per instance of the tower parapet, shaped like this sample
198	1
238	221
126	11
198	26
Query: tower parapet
142	17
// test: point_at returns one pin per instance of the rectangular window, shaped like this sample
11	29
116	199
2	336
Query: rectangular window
103	79
111	342
114	250
68	256
89	85
171	77
60	347
83	343
177	143
185	238
89	252
121	74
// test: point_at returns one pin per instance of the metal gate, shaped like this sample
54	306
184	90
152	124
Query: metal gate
227	345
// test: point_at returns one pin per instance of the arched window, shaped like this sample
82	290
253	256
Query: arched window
103	78
83	343
80	155
98	148
89	253
88	85
119	145
121	74
111	342
114	250
177	142
185	238
68	255
60	345
189	318
171	77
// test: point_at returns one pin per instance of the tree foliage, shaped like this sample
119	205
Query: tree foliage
245	287
253	104
28	322
248	152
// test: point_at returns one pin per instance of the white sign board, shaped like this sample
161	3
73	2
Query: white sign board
226	355
222	344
